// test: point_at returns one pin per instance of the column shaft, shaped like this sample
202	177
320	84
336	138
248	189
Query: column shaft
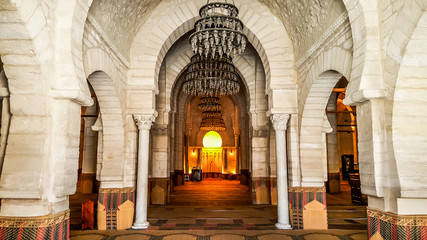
280	123
144	123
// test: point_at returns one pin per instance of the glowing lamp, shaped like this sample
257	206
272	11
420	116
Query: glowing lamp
212	139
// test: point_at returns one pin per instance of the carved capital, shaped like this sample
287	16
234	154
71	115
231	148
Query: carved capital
280	121
144	122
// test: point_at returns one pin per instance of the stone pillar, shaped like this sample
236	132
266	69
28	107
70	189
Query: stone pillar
89	156
159	181
236	145
260	166
280	122
4	131
325	129
49	227
332	155
186	145
144	123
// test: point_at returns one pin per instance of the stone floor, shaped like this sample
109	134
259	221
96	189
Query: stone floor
220	235
213	210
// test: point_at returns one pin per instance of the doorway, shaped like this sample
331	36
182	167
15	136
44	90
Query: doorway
346	203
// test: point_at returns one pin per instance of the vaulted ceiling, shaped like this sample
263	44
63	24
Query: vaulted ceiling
305	21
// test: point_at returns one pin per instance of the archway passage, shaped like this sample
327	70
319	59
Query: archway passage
211	159
82	203
346	203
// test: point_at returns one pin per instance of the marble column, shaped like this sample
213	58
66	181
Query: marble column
144	123
280	122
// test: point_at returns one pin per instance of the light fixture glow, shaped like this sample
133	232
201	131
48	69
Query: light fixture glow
212	139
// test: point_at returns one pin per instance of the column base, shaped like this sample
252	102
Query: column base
140	226
261	190
386	225
159	191
116	207
282	226
50	227
307	207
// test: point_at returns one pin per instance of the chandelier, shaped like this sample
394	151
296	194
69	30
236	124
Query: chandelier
218	35
212	114
219	31
212	124
211	77
209	104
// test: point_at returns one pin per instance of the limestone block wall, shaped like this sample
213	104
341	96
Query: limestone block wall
44	128
100	54
333	51
409	111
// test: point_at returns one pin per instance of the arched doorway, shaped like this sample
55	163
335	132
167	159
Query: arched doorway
346	203
221	166
176	138
82	203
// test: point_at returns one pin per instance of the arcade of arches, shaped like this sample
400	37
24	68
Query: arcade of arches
92	108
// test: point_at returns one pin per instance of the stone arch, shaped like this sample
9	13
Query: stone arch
342	62
409	109
311	127
70	80
113	162
269	38
365	82
178	111
97	59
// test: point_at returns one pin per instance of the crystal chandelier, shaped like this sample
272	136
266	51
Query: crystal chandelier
219	31
209	104
212	114
212	124
211	77
218	37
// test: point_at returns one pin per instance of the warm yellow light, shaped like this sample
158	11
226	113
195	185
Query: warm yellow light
212	139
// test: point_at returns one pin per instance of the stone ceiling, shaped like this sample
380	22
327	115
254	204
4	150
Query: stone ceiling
121	19
305	20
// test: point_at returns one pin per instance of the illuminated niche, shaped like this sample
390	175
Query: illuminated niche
212	153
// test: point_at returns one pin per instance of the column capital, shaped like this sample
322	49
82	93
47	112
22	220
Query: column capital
280	121
143	122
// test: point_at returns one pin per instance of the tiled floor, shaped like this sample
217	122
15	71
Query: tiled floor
220	234
214	210
342	213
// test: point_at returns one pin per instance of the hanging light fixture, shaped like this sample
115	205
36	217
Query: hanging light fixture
218	37
219	31
211	111
212	124
209	104
211	77
212	114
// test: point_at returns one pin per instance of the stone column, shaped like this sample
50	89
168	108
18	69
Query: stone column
236	150
280	122
144	123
